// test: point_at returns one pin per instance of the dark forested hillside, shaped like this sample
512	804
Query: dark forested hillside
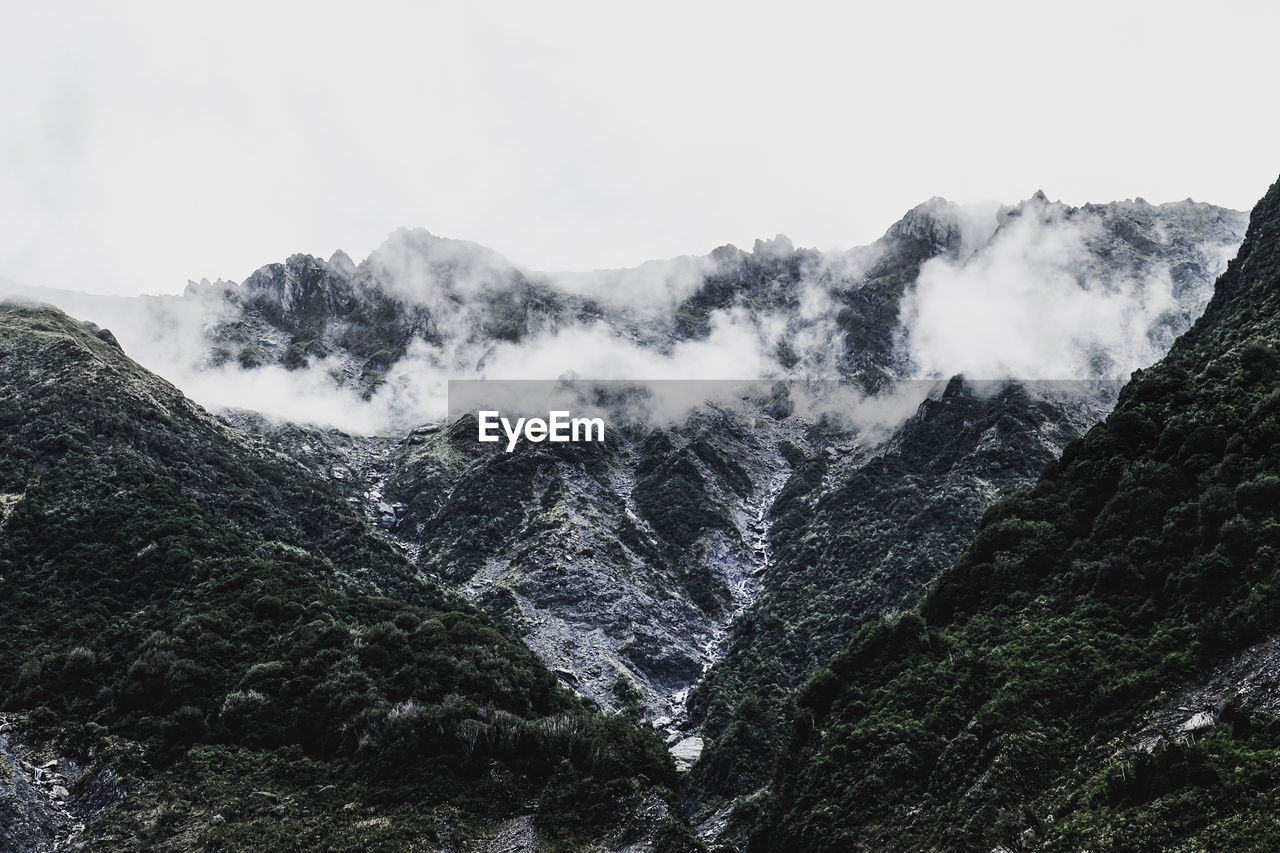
867	543
264	629
1004	712
217	627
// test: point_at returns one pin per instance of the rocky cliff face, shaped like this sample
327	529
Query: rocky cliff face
644	615
1122	280
558	548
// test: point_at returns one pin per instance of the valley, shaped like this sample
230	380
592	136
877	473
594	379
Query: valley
672	595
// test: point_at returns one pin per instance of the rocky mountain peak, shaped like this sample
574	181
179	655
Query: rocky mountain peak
1040	208
939	226
421	303
728	253
779	247
926	220
341	262
204	288
302	285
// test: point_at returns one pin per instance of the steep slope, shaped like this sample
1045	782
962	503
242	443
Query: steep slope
450	297
608	563
853	541
1006	712
619	562
556	547
211	621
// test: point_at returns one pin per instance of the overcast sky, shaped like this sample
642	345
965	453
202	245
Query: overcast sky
144	144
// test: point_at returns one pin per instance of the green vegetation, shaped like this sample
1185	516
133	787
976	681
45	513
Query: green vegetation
671	493
164	583
1217	793
1002	713
846	554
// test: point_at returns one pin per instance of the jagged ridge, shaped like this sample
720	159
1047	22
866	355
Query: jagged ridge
1003	714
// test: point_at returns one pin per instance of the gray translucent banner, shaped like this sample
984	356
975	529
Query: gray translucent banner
578	410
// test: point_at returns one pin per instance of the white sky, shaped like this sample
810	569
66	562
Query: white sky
143	144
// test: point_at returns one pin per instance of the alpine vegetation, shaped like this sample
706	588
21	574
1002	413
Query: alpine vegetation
769	549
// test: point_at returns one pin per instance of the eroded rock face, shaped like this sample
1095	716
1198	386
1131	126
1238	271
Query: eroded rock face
577	553
633	611
626	566
45	803
1249	680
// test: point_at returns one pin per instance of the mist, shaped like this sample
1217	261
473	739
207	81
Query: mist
1031	292
648	289
1040	301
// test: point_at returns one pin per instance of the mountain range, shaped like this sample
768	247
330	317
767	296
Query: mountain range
1036	697
221	625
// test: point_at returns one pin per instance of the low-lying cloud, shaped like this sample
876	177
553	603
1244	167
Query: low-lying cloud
1040	301
1051	294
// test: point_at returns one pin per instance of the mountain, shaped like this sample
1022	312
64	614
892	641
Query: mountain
209	647
851	539
458	306
691	570
1060	292
1037	698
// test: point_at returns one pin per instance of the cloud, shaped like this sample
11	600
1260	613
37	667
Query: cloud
734	349
652	287
1052	293
1049	297
438	273
166	141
